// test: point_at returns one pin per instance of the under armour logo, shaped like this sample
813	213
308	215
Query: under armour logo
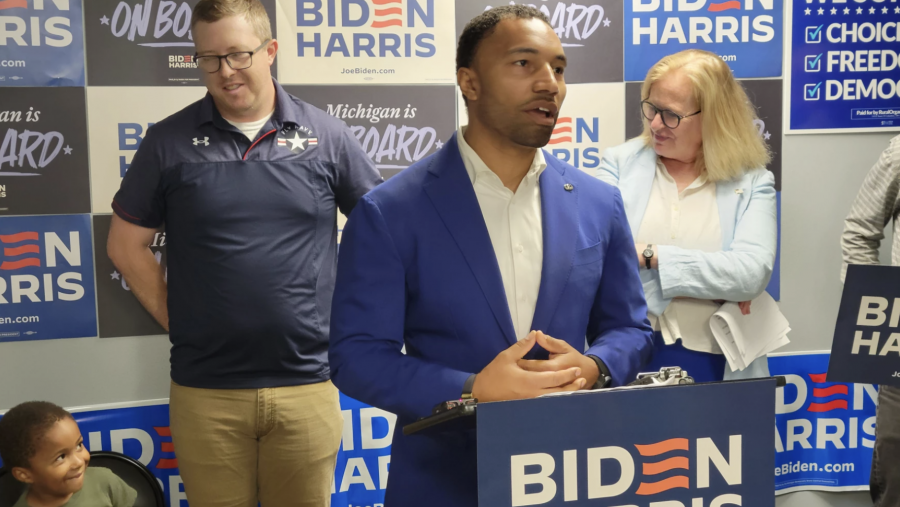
204	141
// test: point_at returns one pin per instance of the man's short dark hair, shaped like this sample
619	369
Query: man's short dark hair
23	428
483	25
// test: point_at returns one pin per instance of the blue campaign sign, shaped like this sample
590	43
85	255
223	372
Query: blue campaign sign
141	431
866	345
684	446
844	72
46	278
41	43
747	34
824	431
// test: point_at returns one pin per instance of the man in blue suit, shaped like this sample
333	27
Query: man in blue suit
463	255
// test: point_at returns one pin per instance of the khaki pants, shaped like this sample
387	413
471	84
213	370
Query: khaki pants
276	446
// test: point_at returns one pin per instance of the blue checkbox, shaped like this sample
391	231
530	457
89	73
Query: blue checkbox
811	91
813	63
814	34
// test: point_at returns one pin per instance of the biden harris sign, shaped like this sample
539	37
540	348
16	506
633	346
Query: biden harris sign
866	346
41	43
746	34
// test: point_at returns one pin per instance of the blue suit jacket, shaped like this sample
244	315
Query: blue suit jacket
417	268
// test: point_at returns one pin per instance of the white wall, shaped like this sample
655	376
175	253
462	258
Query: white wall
820	177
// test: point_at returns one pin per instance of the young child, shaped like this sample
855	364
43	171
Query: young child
40	444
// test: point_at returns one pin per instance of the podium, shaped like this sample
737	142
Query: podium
700	445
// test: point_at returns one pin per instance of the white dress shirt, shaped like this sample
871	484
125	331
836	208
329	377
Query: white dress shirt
687	219
515	226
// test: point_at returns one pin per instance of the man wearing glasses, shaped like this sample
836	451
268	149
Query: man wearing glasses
247	182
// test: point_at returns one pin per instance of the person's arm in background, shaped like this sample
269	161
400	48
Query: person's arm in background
139	211
738	274
355	174
129	248
875	205
608	172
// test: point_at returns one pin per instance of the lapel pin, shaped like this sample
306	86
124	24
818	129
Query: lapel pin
739	191
568	187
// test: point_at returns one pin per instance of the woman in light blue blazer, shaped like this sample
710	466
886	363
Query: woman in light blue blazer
701	207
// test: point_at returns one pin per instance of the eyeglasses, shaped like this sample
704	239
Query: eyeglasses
238	61
670	119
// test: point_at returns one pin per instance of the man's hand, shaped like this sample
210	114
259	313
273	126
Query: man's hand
562	356
503	379
745	307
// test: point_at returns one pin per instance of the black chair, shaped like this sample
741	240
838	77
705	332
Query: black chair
135	474
132	471
10	489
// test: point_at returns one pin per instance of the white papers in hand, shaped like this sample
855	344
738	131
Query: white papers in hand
744	338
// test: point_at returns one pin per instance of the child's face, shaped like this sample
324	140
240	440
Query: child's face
58	466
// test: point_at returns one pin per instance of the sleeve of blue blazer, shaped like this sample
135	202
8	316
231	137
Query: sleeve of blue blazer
739	273
368	316
618	330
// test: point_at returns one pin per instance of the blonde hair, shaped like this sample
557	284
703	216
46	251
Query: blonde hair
731	143
210	11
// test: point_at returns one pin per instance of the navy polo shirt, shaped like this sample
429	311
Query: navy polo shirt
251	235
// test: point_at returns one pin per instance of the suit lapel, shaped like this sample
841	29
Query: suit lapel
636	187
454	198
559	210
729	195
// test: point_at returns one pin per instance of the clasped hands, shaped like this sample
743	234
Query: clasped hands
510	377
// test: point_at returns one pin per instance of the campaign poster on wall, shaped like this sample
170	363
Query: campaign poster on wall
366	41
843	72
590	32
46	278
746	34
824	431
43	152
118	121
141	430
145	43
396	126
591	120
41	43
119	312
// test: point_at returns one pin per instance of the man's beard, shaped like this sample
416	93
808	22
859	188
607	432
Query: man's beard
533	136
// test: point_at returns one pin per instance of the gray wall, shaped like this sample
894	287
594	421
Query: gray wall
820	177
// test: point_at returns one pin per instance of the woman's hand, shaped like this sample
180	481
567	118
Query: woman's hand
745	307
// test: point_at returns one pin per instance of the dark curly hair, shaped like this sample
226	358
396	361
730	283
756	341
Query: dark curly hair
482	25
22	429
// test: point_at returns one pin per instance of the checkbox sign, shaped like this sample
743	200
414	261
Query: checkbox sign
813	63
814	34
811	91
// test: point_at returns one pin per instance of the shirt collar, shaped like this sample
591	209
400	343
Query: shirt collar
284	113
701	180
476	167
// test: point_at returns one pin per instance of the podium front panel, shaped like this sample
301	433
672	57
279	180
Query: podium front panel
704	445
